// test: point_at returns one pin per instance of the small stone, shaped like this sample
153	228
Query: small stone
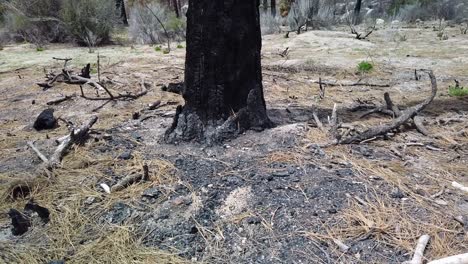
57	262
440	202
178	201
151	193
126	155
253	220
90	200
281	174
332	211
397	193
136	136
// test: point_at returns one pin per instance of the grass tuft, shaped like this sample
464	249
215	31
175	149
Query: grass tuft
457	91
365	67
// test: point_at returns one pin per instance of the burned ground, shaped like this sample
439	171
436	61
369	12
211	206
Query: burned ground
265	197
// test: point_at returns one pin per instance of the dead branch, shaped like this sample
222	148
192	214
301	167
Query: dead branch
419	251
418	122
322	89
61	100
77	136
348	84
362	36
401	117
400	120
84	78
127	96
457	259
131	179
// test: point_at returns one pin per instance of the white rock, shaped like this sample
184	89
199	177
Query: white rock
380	21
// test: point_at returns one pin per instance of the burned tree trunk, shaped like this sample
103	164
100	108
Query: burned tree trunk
273	8
357	12
176	6
223	79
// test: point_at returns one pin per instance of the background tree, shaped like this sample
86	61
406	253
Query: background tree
357	12
223	79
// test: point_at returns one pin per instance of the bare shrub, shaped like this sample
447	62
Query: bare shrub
154	24
431	10
81	17
269	24
301	14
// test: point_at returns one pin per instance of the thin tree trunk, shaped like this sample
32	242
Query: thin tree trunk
223	80
273	8
176	8
357	12
265	6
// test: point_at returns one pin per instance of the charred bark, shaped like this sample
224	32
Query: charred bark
273	8
357	12
223	93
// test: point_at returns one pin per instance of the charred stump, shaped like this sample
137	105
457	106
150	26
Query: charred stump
223	80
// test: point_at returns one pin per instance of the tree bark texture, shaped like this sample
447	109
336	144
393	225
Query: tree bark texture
223	80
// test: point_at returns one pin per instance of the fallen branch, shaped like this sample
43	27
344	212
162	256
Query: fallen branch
131	179
348	84
77	136
61	100
362	36
457	259
419	251
400	120
67	76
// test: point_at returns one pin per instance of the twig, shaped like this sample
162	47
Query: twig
61	100
419	251
342	246
38	152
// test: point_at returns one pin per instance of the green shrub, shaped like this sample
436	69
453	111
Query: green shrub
180	46
158	48
90	22
39	49
37	22
365	67
458	91
166	51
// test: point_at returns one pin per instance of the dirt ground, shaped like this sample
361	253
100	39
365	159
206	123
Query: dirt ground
265	197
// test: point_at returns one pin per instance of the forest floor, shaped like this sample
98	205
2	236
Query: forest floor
265	197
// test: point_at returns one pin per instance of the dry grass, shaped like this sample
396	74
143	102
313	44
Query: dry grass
398	225
76	230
